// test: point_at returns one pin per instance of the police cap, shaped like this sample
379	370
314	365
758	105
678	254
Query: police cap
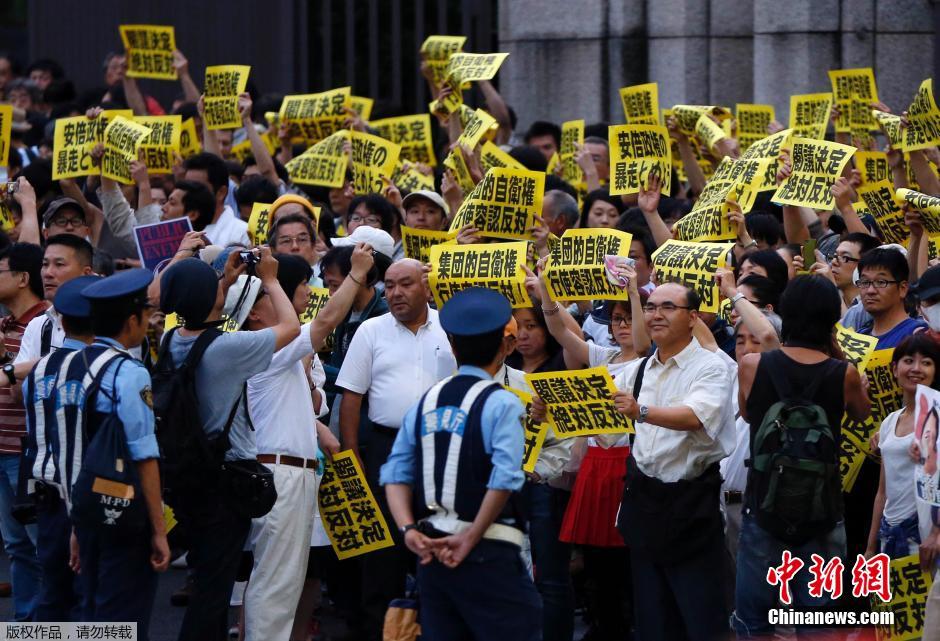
474	311
128	287
68	299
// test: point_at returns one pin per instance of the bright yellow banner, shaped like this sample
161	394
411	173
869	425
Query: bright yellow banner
572	136
149	50
816	166
687	115
412	134
492	156
709	132
503	204
496	266
456	163
350	514
580	402
887	208
854	91
318	298
638	152
910	587
223	84
122	139
753	121
162	143
576	270
928	206
641	104
418	242
708	220
534	433
923	118
891	125
372	158
809	115
259	223
408	177
189	139
766	150
6	128
316	115
478	124
324	163
72	143
362	106
467	67
873	166
694	265
437	50
883	389
857	348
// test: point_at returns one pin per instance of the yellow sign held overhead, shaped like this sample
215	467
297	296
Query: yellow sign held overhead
316	115
887	208
693	265
223	85
923	118
928	206
576	270
372	158
638	152
318	298
324	163
854	91
580	402
412	134
534	433
503	204
122	139
641	104
417	243
72	143
437	50
753	123
163	143
496	266
189	139
816	166
149	50
466	67
809	115
572	137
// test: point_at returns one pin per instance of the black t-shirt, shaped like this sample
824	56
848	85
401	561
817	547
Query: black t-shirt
555	363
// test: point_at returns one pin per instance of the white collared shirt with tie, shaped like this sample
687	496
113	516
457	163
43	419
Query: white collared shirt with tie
695	378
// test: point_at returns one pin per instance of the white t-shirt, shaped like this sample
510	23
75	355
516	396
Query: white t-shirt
900	496
280	404
31	345
597	332
394	365
228	230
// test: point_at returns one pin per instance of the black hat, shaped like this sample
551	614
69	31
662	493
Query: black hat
474	311
928	286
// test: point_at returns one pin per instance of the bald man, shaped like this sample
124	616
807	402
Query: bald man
394	359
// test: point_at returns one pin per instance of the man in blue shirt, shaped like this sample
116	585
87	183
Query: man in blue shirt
456	465
882	285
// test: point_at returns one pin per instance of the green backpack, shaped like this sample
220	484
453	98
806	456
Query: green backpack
795	479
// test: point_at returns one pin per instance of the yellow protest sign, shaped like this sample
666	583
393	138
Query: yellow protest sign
534	433
149	50
816	166
809	115
641	104
891	125
687	115
708	220
496	266
478	124
883	389
412	134
576	270
856	348
362	106
318	298
437	50
72	143
467	67
854	91
694	265
851	458
766	151
189	139
553	163
503	204
909	590
316	115
259	223
350	514
324	163
572	136
241	151
456	163
372	158
580	403
223	84
887	208
709	132
638	152
417	243
923	118
753	121
873	166
408	177
122	139
162	143
492	156
6	128
928	206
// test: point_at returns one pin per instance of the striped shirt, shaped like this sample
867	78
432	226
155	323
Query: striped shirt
12	411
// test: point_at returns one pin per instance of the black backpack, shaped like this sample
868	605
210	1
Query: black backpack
191	461
794	463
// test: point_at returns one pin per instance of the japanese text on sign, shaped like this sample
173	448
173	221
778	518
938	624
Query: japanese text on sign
122	139
316	115
816	166
323	163
909	587
534	433
466	67
417	243
503	204
72	144
496	266
809	115
223	84
887	208
412	134
492	156
694	265
638	152
928	206
162	143
641	104
576	270
854	91
318	298
372	158
572	136
350	514
687	115
580	403
437	50
753	121
149	51
923	119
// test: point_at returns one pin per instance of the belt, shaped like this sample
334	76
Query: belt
387	431
285	459
733	497
495	532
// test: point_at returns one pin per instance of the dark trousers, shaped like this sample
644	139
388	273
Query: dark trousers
489	596
551	558
683	600
384	572
216	538
118	582
59	597
608	598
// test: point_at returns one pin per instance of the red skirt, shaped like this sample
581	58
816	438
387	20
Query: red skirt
592	511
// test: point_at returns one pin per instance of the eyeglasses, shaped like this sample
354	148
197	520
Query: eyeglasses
301	240
841	258
667	307
63	221
877	284
617	321
369	220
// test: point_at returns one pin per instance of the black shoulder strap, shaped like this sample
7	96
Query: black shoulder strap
45	337
638	383
775	368
200	346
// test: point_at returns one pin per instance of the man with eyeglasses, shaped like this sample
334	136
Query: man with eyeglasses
842	265
681	404
882	286
64	216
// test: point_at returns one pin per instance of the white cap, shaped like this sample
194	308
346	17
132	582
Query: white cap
380	240
241	298
433	196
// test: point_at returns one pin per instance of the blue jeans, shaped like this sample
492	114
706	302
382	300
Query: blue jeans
758	551
552	559
19	541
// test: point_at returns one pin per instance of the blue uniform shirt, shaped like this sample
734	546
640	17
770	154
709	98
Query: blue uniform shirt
503	440
131	389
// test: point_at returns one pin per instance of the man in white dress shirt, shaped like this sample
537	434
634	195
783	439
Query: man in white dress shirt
226	228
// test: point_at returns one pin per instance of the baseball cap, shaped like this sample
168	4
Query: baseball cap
433	196
58	204
380	240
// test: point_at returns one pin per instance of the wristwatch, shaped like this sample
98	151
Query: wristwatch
10	372
644	410
404	529
736	298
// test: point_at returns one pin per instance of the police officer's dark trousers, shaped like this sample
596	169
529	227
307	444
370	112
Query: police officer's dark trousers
59	598
118	582
488	596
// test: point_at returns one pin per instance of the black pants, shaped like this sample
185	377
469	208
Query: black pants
384	572
216	537
609	599
59	598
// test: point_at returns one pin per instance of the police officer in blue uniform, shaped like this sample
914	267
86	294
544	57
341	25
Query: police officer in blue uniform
119	555
452	480
50	485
